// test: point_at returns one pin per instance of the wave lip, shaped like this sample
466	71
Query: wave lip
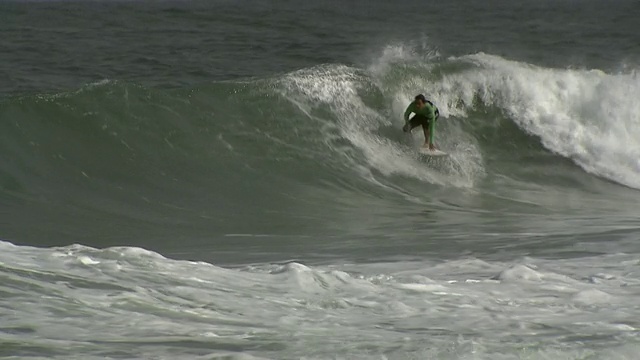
585	115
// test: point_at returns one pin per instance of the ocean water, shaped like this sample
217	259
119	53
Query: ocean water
229	180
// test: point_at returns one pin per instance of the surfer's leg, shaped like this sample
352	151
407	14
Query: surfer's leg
414	122
418	120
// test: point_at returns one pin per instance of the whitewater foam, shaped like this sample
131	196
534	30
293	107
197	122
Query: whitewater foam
337	87
343	310
585	115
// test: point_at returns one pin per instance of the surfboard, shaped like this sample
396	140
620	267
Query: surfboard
436	152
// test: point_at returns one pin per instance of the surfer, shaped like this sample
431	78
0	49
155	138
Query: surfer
426	115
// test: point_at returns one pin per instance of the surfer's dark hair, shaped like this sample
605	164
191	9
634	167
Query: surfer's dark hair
421	97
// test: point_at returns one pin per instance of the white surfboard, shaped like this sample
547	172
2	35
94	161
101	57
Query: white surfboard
436	152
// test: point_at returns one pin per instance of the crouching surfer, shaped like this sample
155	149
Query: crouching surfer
425	114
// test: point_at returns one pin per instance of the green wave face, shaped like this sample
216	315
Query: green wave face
312	146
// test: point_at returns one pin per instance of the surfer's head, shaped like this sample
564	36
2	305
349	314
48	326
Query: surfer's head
420	100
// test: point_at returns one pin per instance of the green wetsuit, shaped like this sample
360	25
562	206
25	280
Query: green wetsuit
427	111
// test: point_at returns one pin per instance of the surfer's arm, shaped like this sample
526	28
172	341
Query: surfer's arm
432	130
408	112
432	123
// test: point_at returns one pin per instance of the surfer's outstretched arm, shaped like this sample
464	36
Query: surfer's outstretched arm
431	132
407	126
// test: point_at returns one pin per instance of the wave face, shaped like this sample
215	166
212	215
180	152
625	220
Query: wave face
294	153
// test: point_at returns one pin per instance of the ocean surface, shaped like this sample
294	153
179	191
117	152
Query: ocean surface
229	180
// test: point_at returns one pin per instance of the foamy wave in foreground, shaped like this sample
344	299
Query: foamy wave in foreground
77	302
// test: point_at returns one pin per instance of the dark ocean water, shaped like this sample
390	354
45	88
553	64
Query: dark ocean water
228	179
